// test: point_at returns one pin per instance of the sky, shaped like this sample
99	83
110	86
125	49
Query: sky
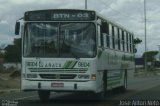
128	13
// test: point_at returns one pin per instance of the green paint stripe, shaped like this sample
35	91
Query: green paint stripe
72	64
114	76
64	66
114	79
113	83
67	64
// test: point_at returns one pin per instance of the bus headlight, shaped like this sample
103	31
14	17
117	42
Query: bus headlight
32	76
93	77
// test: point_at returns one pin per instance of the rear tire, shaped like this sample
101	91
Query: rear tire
124	87
44	95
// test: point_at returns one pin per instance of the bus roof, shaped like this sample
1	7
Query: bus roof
112	22
60	15
96	15
60	10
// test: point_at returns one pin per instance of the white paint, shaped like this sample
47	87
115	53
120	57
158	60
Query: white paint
14	65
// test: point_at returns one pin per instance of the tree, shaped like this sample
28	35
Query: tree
13	52
150	55
1	54
136	42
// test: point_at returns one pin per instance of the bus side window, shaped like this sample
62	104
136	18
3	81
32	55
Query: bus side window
99	36
133	44
105	33
123	44
113	37
119	42
17	28
104	39
116	37
110	35
108	41
127	41
130	43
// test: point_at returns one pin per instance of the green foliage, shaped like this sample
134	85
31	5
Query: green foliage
137	41
150	55
13	52
1	55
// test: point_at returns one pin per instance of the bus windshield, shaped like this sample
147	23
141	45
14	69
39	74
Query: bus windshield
59	40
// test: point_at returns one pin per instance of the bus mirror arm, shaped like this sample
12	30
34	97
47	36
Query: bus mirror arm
103	48
135	50
17	28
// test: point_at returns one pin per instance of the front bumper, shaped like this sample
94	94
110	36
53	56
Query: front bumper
71	86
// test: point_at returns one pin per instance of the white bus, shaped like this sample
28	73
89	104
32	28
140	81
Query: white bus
66	50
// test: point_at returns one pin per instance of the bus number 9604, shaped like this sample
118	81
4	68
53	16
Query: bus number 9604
83	64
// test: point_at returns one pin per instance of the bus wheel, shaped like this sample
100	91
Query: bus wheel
101	95
44	95
105	82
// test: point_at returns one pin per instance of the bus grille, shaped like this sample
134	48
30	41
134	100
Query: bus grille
58	76
58	70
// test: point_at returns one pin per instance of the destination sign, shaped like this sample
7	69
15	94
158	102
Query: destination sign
60	15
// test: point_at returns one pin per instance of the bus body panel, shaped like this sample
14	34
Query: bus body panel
88	86
40	73
82	69
112	62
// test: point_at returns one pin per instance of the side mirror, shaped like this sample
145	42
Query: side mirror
17	28
135	50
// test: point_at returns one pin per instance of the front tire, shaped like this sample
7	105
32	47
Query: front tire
101	95
44	95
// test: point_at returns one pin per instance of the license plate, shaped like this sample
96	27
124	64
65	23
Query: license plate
57	84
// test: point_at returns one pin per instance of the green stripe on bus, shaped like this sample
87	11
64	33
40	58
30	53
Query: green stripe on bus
114	80
113	83
114	76
67	64
73	63
118	78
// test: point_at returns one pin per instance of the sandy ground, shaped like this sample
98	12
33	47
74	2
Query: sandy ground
9	80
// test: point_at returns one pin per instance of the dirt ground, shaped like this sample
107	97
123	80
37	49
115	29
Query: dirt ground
9	80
